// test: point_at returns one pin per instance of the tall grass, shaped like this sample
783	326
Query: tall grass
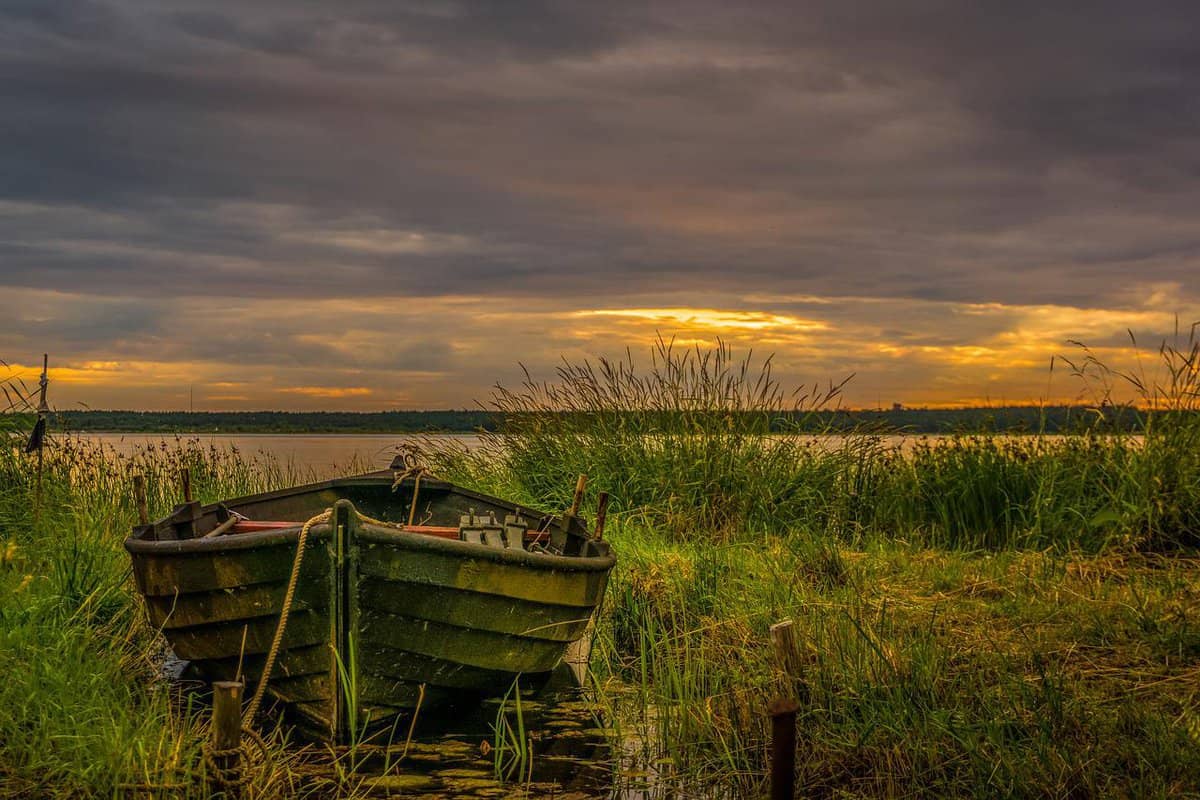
977	616
681	443
84	708
963	604
702	444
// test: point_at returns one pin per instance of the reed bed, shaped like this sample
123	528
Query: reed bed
85	709
976	617
702	444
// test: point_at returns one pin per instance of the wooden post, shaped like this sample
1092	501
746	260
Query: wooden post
227	738
787	654
185	478
580	485
783	748
601	514
139	497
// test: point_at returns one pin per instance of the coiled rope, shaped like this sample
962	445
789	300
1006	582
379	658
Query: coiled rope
412	469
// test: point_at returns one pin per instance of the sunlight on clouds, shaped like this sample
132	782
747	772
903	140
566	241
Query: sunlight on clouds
710	319
329	391
389	352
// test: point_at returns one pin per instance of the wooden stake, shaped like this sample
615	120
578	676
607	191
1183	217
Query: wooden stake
139	497
783	641
601	514
227	737
185	478
580	485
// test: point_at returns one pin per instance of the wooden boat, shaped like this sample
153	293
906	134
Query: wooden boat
387	615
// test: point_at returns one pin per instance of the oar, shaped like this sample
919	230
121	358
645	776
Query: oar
601	514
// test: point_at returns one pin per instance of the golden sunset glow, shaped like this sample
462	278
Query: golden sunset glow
697	320
442	352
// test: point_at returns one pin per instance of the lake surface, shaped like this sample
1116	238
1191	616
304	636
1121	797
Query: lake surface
324	455
327	455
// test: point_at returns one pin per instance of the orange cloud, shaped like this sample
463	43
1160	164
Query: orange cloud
329	391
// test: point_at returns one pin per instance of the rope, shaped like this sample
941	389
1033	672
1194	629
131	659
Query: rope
232	775
290	594
412	470
288	597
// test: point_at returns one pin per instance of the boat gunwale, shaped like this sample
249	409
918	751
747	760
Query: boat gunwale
366	532
372	534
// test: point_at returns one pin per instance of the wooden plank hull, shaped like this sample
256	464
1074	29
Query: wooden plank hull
382	620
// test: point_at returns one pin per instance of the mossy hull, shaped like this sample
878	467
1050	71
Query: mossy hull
412	618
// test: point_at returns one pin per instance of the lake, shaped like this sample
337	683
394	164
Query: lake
324	455
327	455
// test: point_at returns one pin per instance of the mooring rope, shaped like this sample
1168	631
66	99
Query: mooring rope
288	597
234	775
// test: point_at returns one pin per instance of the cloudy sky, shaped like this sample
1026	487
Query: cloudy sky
365	205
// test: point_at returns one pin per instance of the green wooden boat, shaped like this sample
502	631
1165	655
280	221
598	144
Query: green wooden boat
414	593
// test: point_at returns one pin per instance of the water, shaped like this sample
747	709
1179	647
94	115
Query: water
327	455
324	455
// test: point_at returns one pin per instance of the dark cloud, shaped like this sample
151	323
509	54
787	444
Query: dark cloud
939	151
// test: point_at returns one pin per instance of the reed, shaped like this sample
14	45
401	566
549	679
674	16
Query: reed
978	616
700	443
84	707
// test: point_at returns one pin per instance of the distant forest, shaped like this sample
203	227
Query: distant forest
1010	419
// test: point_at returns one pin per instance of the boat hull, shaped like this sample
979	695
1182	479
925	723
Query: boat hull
383	620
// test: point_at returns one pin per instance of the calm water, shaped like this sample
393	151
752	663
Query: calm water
324	454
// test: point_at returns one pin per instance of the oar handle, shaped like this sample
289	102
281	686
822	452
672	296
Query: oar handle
577	501
601	514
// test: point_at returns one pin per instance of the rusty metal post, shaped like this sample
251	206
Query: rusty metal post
226	753
783	748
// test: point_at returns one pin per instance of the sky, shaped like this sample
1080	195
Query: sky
385	204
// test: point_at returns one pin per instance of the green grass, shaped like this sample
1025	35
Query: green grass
981	616
922	672
84	708
695	445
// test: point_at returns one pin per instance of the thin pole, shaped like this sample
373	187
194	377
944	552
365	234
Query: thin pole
43	409
139	496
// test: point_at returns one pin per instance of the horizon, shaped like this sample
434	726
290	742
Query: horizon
482	410
309	207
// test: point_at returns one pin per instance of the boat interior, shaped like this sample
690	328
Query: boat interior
414	505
